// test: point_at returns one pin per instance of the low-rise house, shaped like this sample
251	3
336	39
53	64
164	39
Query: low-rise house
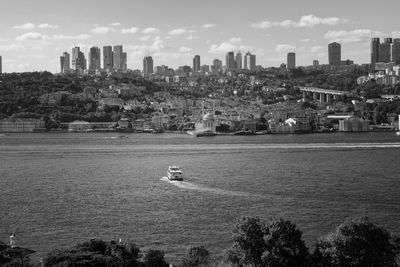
353	125
22	125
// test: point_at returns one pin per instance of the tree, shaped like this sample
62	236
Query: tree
154	258
285	246
357	243
196	256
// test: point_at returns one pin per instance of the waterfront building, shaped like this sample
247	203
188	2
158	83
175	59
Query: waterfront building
196	63
375	43
334	54
21	125
108	63
384	50
238	60
291	61
249	61
94	59
118	58
147	66
65	63
78	60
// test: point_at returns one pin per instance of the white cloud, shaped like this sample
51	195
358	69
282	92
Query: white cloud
72	37
47	26
316	48
192	37
235	40
230	45
132	30
150	30
31	36
26	26
145	38
116	24
102	30
12	47
306	21
209	25
284	47
353	36
177	31
185	49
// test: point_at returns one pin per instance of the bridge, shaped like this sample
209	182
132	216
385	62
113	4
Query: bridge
322	95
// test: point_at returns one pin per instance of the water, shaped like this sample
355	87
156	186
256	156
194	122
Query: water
60	189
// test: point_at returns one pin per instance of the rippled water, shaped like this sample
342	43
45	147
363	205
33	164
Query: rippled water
60	189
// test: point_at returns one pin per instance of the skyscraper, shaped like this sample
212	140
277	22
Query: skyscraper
291	61
375	43
94	59
117	57
124	62
395	51
334	54
249	61
65	63
108	63
238	61
78	60
147	66
230	61
196	63
1	65
384	50
217	65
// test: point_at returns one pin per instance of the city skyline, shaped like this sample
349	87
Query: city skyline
33	38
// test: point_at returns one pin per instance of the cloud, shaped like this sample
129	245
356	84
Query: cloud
316	48
102	30
145	38
284	47
26	26
12	47
353	36
47	26
116	24
230	45
131	30
185	49
235	40
72	37
192	37
150	30
31	36
306	21
178	31
209	25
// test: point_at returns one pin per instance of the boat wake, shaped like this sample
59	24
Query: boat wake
217	191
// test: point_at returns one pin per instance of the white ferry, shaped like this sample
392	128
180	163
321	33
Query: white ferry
174	173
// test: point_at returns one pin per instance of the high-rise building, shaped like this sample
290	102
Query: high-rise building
384	50
334	54
147	66
217	65
117	57
108	63
65	63
238	61
124	62
315	63
249	61
230	61
291	61
94	59
395	51
196	63
1	65
78	60
375	43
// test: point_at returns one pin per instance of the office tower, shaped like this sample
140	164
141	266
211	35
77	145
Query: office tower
238	61
124	62
147	66
1	65
117	57
108	63
196	63
395	51
78	60
249	61
217	65
315	63
334	54
94	59
375	43
291	61
230	61
384	50
205	68
65	63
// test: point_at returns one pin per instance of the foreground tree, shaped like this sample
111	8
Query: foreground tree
357	243
196	257
154	258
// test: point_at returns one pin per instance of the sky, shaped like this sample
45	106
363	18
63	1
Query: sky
35	33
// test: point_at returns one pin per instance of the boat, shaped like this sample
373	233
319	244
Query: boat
174	173
244	132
